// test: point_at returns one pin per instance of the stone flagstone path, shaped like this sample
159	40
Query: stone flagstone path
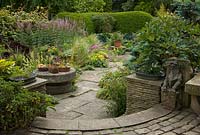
82	103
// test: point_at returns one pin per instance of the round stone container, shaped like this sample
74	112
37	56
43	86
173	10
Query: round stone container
58	83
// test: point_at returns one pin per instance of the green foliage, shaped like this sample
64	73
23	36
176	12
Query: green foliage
18	106
146	7
89	6
188	10
108	6
127	22
54	32
6	23
113	87
103	23
6	68
54	6
98	59
80	53
165	37
129	5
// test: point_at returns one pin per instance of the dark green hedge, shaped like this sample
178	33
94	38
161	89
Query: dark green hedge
126	21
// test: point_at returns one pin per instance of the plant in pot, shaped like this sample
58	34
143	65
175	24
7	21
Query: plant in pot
42	67
64	67
117	39
162	38
53	66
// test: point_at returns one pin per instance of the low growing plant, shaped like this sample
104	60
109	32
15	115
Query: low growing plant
113	88
98	59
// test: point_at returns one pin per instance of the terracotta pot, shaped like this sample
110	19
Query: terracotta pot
53	69
64	69
117	43
42	69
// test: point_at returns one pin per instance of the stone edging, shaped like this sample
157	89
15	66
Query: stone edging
100	124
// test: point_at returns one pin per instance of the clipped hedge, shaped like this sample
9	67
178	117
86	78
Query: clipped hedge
127	22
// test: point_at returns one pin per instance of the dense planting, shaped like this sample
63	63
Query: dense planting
165	37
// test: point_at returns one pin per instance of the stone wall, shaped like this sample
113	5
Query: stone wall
141	94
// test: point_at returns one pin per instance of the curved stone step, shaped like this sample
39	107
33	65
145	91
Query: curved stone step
101	124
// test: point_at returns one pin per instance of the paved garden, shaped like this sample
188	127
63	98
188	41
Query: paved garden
81	113
99	67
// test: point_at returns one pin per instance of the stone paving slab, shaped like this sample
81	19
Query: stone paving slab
88	85
95	110
70	115
188	125
142	116
55	124
123	121
74	108
97	124
91	76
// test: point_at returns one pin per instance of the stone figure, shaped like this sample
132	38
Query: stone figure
173	77
178	72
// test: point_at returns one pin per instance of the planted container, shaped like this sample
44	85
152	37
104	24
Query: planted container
64	69
53	69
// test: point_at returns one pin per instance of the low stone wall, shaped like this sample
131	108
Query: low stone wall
141	94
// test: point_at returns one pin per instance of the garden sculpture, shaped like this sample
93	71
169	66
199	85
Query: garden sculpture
171	89
173	77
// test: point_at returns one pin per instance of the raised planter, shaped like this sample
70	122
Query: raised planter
146	76
141	94
58	83
25	79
